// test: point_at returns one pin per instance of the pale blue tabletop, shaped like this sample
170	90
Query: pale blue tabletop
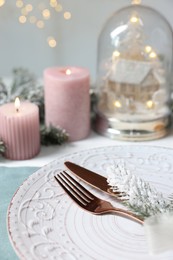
10	179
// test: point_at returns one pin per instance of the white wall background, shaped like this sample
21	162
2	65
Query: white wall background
23	45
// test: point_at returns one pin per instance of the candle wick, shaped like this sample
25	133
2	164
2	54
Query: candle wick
17	110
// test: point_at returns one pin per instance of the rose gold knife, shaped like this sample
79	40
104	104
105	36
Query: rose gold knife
92	178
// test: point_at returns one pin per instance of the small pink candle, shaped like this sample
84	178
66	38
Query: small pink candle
67	100
19	129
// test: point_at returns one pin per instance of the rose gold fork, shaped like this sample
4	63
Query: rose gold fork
89	201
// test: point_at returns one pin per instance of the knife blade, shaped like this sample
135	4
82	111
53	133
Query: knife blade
92	178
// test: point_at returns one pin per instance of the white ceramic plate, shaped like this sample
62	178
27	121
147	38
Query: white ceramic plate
43	222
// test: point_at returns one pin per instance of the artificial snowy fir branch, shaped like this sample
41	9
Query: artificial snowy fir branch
2	147
51	135
137	194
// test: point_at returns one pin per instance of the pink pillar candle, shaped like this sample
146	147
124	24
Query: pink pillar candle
19	129
67	100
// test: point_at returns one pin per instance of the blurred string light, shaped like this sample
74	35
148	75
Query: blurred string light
39	14
136	2
2	2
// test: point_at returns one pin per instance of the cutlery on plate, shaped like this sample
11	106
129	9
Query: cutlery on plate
88	201
94	179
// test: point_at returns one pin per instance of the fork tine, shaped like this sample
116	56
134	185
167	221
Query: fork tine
74	186
71	194
77	185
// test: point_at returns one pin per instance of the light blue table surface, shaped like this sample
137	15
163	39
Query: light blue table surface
10	179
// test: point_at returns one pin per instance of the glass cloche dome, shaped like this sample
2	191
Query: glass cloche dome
134	75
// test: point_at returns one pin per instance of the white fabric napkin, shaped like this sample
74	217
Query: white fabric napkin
159	232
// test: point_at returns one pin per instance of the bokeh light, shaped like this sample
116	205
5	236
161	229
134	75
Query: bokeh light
2	2
39	14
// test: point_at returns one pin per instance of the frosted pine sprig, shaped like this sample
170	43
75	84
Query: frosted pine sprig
2	147
138	195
